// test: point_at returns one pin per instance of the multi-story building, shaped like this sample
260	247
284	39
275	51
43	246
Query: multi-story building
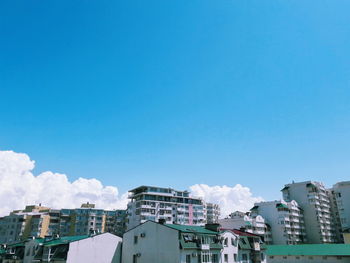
170	243
212	213
88	219
155	203
39	221
315	202
285	219
340	194
246	222
33	221
116	222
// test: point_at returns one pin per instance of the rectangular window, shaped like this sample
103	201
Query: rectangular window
215	258
188	258
225	258
135	239
134	259
244	257
235	257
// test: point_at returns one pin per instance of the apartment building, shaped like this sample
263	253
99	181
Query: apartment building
313	198
116	222
251	224
87	219
82	221
170	243
39	221
212	213
157	203
285	219
33	221
340	196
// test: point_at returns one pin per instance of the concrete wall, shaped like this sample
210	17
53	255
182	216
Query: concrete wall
160	244
101	248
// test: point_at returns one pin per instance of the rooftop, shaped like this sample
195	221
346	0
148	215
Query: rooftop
309	250
191	229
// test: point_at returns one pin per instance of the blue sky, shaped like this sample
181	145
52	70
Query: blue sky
175	93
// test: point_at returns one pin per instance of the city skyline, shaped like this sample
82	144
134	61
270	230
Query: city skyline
178	94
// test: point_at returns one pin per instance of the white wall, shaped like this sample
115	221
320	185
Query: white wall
160	244
101	248
229	249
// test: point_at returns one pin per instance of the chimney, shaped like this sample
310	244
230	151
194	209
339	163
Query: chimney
213	227
161	221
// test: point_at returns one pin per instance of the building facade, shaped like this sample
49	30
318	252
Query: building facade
241	247
340	194
157	203
33	221
246	222
314	200
171	243
285	219
39	221
212	213
102	248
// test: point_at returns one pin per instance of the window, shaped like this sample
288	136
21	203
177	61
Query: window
188	258
135	239
235	257
262	256
225	258
244	257
226	242
134	259
215	258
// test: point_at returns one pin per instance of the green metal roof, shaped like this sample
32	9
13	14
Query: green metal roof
309	250
281	206
18	244
191	229
244	242
64	240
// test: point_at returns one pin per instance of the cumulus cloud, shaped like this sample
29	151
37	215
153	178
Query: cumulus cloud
230	199
20	187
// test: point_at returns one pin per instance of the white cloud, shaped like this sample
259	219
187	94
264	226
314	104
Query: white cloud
230	199
20	187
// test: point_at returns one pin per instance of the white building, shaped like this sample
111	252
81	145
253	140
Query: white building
170	243
285	219
246	222
314	200
241	247
212	213
156	203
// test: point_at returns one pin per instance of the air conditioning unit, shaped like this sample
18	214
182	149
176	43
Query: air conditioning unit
142	234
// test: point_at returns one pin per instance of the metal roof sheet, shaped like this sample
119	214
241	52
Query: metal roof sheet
309	250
